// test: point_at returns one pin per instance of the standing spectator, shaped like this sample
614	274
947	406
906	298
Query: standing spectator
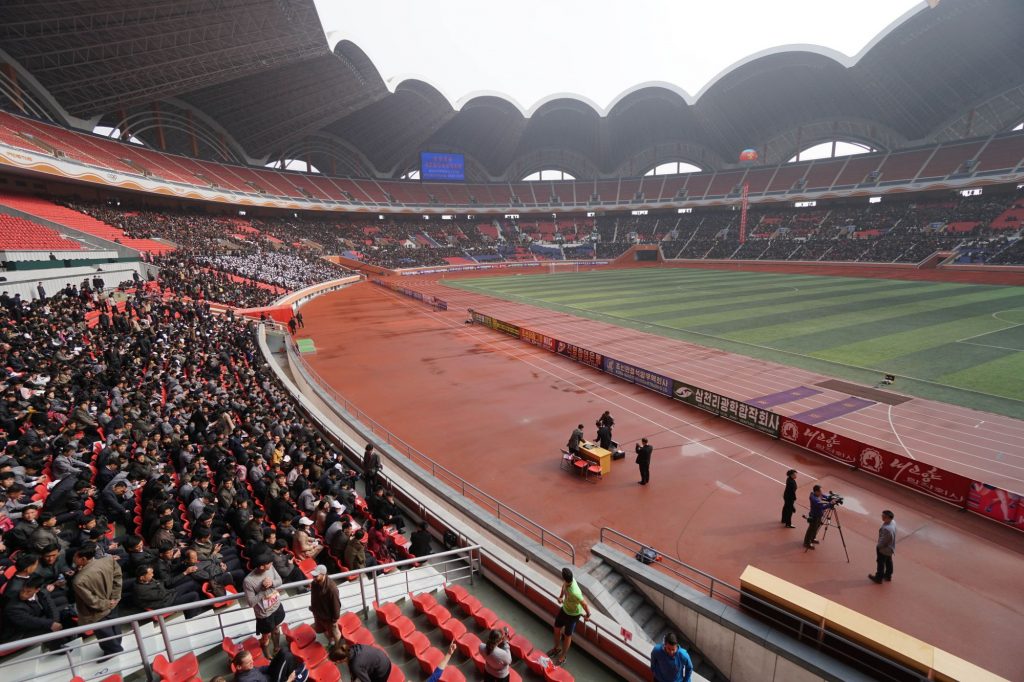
670	662
261	593
789	499
365	663
371	468
885	548
97	587
573	606
643	460
325	603
497	657
41	290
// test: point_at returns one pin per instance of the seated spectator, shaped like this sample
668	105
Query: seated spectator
421	542
30	613
284	564
150	593
304	546
115	506
355	553
25	565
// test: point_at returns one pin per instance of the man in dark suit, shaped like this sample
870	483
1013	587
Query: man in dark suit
643	459
574	440
789	499
604	436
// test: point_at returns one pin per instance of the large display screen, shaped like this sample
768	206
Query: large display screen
434	166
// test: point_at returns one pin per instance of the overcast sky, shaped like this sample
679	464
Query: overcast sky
529	49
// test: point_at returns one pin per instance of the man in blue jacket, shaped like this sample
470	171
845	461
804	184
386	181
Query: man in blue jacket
670	662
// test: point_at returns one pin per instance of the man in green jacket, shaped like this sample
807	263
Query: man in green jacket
97	587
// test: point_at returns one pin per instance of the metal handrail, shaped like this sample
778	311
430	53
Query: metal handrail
493	505
804	629
468	554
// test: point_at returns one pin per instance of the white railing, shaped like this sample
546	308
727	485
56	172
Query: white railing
173	642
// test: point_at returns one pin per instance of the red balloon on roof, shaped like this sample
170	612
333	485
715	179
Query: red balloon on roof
748	156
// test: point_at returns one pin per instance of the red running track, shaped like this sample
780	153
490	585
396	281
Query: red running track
978	445
496	411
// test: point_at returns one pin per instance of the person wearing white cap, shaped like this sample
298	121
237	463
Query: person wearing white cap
304	546
337	509
325	603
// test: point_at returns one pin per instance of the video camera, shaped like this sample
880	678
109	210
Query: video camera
833	499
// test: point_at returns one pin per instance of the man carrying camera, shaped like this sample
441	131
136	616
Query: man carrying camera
819	505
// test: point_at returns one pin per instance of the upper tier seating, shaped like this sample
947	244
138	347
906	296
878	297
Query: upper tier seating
72	218
24	235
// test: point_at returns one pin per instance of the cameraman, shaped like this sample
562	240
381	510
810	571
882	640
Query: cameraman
819	504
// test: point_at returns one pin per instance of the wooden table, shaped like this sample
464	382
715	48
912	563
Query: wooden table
597	455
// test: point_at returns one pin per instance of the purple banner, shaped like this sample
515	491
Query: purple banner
832	410
793	394
639	376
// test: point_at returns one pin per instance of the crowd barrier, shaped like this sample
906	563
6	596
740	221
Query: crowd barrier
979	497
435	302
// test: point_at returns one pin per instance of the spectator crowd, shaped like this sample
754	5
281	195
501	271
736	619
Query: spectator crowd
148	459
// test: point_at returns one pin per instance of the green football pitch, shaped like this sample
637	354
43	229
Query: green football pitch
958	343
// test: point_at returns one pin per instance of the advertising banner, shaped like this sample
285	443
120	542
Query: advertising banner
485	320
738	411
996	503
537	339
912	473
505	328
639	376
587	357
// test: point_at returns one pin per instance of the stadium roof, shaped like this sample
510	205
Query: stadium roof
260	77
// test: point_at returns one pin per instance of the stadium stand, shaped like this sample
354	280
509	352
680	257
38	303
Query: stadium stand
20	234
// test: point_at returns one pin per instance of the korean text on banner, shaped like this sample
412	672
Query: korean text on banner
639	376
485	320
912	473
738	411
537	339
587	357
505	328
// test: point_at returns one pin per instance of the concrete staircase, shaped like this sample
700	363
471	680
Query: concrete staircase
653	624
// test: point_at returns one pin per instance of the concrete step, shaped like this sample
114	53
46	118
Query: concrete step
632	602
643	614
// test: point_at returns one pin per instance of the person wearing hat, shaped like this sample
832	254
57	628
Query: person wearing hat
336	525
670	662
304	546
260	588
325	603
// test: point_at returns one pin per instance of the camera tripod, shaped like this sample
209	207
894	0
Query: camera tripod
831	518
